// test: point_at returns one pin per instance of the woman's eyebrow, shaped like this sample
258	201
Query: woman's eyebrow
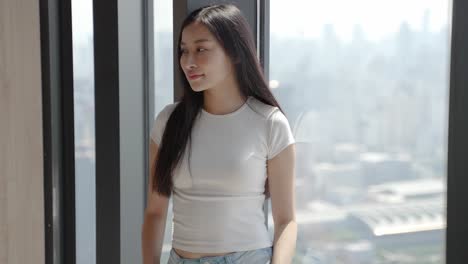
196	41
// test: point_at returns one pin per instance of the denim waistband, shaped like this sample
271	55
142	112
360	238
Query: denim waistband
256	256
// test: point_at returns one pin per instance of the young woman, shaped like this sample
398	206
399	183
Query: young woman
220	151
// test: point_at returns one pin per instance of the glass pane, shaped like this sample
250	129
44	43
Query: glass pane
163	85
364	85
83	73
163	50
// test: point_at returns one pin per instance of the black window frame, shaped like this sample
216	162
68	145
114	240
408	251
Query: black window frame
457	160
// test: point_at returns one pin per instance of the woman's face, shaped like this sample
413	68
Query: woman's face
203	60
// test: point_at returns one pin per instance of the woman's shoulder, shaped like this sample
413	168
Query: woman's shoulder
171	106
159	123
166	111
261	108
168	108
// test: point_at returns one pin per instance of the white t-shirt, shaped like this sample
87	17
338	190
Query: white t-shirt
218	206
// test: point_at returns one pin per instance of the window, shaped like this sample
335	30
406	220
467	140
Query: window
163	85
85	163
365	88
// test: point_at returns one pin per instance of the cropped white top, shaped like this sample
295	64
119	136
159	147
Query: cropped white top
217	204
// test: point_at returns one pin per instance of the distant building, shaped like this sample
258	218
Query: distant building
401	224
379	167
401	191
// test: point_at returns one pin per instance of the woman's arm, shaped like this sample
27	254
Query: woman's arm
281	178
152	236
152	231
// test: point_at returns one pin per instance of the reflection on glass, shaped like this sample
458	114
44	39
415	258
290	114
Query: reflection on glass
83	73
163	85
365	87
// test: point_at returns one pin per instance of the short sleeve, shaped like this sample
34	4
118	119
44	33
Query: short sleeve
280	135
159	123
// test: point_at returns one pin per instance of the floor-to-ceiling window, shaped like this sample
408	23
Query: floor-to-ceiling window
163	83
85	166
364	85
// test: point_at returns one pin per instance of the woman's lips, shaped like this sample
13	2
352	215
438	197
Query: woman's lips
194	77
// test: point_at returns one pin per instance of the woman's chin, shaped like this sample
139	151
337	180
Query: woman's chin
197	88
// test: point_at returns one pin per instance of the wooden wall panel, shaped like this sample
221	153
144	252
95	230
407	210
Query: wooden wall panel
21	158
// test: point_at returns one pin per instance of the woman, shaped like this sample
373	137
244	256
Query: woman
221	150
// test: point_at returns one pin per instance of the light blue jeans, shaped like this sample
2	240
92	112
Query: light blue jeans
256	256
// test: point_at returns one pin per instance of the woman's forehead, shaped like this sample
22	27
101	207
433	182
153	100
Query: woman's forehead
196	33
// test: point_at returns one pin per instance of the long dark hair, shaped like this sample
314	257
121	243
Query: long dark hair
232	31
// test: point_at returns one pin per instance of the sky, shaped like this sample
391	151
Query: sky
305	18
378	18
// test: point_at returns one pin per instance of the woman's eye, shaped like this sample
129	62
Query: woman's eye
184	51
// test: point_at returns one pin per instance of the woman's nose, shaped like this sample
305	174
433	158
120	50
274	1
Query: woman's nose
189	62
